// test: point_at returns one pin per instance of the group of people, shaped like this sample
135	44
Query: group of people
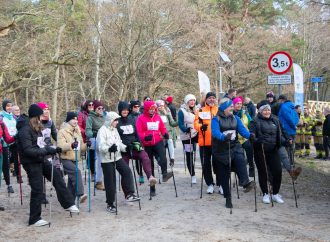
232	135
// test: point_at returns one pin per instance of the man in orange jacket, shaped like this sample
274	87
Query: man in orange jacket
202	124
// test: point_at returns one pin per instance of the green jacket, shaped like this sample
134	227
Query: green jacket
93	124
169	122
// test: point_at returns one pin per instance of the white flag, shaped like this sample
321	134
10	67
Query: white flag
204	82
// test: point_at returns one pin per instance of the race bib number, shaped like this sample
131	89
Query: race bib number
164	118
128	129
152	126
233	132
46	133
204	115
40	142
12	131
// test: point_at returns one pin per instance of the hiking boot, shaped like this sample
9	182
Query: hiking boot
152	181
111	208
141	179
167	176
277	198
132	198
171	162
40	223
210	189
249	186
193	180
152	191
10	189
2	208
73	209
251	171
99	186
228	203
294	173
266	198
83	198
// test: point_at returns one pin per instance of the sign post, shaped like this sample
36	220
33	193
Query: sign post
316	80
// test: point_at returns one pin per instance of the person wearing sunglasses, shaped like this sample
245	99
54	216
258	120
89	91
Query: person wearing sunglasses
134	109
94	122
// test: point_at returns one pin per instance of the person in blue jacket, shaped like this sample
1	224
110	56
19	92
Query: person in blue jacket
225	128
288	116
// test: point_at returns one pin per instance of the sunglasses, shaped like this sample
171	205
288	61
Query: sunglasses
91	104
100	108
136	106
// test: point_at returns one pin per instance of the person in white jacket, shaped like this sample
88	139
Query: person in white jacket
110	147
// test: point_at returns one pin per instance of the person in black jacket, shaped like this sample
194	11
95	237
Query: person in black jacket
271	98
170	105
267	140
32	150
326	133
250	107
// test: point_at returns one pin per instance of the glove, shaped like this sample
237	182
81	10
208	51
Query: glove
94	134
204	127
48	141
252	137
228	137
136	146
113	148
148	137
188	130
50	150
74	145
166	136
289	142
89	143
58	150
172	162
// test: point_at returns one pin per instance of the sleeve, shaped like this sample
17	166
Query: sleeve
215	129
53	131
197	124
162	127
80	122
139	128
172	122
181	121
103	143
88	130
27	147
241	128
62	142
6	136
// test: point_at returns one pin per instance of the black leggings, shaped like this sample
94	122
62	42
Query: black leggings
190	155
5	165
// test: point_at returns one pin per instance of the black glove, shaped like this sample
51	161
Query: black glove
148	137
50	150
204	127
166	136
94	134
252	137
289	142
89	143
228	136
74	145
58	150
188	130
113	148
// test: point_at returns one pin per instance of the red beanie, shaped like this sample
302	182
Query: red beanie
97	104
169	99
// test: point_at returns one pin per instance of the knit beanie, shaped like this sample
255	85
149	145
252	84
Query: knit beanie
70	116
4	104
210	94
42	105
270	94
35	111
169	99
160	103
97	104
224	104
237	100
189	97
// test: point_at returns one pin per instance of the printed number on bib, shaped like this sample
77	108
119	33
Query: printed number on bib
127	129
204	115
12	131
153	126
233	132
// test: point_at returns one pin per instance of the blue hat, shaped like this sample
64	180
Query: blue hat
225	105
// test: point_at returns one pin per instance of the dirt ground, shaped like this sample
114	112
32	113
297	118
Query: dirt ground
183	218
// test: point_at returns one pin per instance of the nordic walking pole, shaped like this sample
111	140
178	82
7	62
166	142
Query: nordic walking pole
184	160
136	186
84	167
190	158
236	185
45	190
254	179
202	161
95	166
50	193
293	182
89	179
1	163
116	201
20	180
168	150
268	185
76	159
229	160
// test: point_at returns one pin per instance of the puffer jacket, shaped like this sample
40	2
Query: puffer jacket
204	116
82	118
65	137
288	117
108	136
147	125
93	124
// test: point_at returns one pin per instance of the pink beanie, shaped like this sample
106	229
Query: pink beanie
42	105
238	99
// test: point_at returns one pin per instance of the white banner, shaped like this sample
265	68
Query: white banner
298	85
204	83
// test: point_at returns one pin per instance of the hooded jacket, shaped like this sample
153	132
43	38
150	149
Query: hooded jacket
4	135
10	121
204	116
147	125
66	136
93	124
108	136
288	117
169	123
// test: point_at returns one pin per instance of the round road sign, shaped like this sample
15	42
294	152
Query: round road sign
280	62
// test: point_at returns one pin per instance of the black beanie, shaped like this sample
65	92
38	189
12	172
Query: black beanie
210	94
122	105
4	104
134	103
283	97
70	115
262	103
35	111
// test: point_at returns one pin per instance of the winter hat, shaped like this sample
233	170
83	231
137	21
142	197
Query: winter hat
270	94
70	116
134	103
110	117
160	103
210	94
148	105
189	97
122	105
262	103
42	105
97	104
4	103
263	107
35	111
283	97
224	104
237	100
169	99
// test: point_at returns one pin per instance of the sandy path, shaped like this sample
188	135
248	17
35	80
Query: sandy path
186	218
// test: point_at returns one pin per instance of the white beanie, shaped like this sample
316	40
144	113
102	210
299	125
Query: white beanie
189	97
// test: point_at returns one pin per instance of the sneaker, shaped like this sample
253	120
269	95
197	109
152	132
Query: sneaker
249	186
167	176
132	198
73	209
193	180
2	208
266	199
83	198
152	181
210	189
277	198
40	223
295	173
152	191
141	179
111	209
10	189
228	203
220	190
171	162
99	186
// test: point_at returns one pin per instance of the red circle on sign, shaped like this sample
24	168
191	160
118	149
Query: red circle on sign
271	68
